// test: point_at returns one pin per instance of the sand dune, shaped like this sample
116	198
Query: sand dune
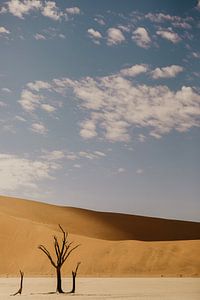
111	244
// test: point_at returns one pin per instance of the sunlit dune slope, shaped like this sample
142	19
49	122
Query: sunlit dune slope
109	226
111	244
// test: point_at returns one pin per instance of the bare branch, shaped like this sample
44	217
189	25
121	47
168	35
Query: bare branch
57	247
68	254
64	241
43	249
77	266
67	248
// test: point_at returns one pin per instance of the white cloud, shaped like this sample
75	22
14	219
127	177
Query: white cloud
94	34
116	130
121	170
88	129
77	166
73	10
142	138
39	36
121	104
115	105
85	154
141	37
62	36
48	108
167	72
38	85
6	90
139	171
20	8
39	128
71	156
134	70
176	21
99	153
20	118
51	11
2	104
3	30
88	155
198	5
53	155
169	35
100	20
21	173
30	101
114	36
196	54
124	28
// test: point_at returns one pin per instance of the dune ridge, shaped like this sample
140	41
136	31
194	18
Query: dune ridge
111	244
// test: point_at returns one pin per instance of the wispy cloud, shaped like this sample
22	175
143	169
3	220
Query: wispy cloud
196	54
121	170
100	20
175	21
169	35
198	4
22	173
54	155
6	90
4	31
139	171
39	128
39	36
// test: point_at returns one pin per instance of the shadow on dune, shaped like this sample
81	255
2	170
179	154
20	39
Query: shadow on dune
101	225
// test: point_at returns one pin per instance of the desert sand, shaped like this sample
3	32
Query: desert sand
107	288
112	245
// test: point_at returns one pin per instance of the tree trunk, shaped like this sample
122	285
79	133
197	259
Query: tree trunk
21	284
74	282
59	282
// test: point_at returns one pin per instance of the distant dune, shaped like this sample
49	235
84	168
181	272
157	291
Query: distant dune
111	244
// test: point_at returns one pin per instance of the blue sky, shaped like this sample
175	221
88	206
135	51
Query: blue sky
100	104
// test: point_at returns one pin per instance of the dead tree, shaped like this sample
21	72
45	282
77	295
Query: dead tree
74	273
21	284
62	249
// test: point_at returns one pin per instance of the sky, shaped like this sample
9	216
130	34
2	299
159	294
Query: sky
100	104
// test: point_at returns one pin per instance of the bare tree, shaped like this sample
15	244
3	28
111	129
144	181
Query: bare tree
21	284
62	249
74	273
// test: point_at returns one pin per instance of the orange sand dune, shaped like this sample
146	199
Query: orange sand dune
111	244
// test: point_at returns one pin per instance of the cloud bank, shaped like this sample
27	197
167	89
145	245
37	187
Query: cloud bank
116	104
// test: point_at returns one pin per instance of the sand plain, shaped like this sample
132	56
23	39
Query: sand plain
106	288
